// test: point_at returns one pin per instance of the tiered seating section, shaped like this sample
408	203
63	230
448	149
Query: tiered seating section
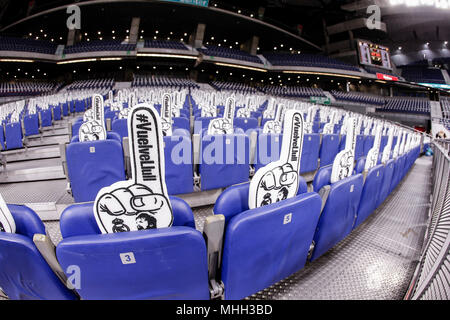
423	75
294	92
92	84
164	44
26	88
229	53
99	45
233	86
27	45
407	105
176	260
307	60
358	97
149	81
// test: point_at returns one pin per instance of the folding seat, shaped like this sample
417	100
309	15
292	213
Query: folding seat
224	160
373	183
200	123
64	108
2	137
368	144
179	163
340	202
264	245
120	127
359	147
31	124
329	148
56	110
24	274
310	153
165	263
79	106
388	174
246	124
93	165
268	148
13	136
46	118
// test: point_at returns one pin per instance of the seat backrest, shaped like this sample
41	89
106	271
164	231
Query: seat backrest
13	136
370	193
224	160
268	148
359	147
166	263
245	123
338	215
329	148
265	245
368	144
234	200
120	127
178	163
310	152
24	274
386	184
92	166
31	124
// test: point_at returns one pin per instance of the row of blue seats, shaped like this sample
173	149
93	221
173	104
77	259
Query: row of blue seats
241	252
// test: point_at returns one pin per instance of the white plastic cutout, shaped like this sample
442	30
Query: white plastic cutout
344	161
224	125
142	202
94	129
7	223
372	155
275	125
387	149
279	180
166	115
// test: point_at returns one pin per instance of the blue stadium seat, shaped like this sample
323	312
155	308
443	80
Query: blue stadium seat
2	137
171	263
24	274
57	112
368	144
245	123
329	148
31	124
224	160
260	247
386	184
310	153
268	148
92	166
13	136
370	193
46	118
340	210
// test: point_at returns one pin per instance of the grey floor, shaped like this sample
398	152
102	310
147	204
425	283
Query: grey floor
375	262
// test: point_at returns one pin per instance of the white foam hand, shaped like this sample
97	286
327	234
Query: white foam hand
142	202
94	129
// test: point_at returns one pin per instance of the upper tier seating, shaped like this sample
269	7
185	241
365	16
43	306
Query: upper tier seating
233	86
423	74
91	84
229	53
164	44
27	45
307	60
295	92
358	97
404	104
99	45
149	81
23	88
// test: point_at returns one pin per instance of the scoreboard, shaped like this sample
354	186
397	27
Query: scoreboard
374	55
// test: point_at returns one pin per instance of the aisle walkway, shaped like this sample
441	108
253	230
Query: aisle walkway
377	260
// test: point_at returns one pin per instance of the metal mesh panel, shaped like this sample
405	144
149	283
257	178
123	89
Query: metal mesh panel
432	277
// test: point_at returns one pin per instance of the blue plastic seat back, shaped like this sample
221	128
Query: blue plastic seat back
360	164
383	143
359	146
268	148
92	166
234	200
310	153
24	274
80	106
201	123
13	136
31	124
167	263
368	144
370	193
120	127
338	215
181	123
246	124
387	178
224	160
322	177
65	108
46	118
328	149
267	244
57	113
110	135
178	160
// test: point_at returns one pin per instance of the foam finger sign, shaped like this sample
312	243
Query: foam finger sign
274	126
224	125
142	202
166	115
94	129
344	160
372	155
7	223
279	180
387	149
